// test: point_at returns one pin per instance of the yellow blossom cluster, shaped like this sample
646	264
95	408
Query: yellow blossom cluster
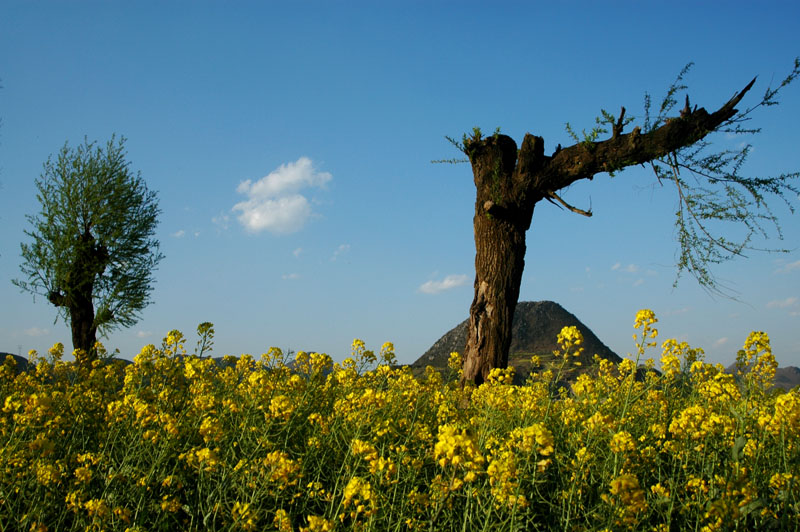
177	441
627	498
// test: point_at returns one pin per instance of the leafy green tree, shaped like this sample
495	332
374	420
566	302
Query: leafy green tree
710	188
93	253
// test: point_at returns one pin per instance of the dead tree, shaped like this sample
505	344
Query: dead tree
510	182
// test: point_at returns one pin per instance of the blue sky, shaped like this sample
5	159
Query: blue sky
290	146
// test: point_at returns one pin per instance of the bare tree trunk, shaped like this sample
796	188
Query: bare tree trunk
500	224
499	261
510	182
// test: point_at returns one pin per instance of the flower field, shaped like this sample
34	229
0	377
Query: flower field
177	442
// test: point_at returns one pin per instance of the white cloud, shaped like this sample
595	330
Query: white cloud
179	233
721	341
782	303
36	331
144	334
449	282
341	250
789	267
638	282
274	202
290	276
297	252
279	216
630	268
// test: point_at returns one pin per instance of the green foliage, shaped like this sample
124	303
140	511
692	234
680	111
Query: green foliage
93	235
463	144
588	140
459	146
713	193
667	104
715	199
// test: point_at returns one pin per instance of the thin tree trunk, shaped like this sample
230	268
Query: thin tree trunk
90	261
84	332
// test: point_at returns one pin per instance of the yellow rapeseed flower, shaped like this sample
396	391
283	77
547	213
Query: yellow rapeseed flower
533	438
721	389
622	442
357	488
501	376
627	497
781	481
282	469
670	365
317	524
659	490
83	474
282	406
569	337
598	421
281	521
786	415
123	514
244	516
456	448
387	353
47	473
454	362
358	447
645	317
210	429
170	504
205	459
504	481
97	508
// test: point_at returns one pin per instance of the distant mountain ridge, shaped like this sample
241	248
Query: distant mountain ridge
787	377
534	331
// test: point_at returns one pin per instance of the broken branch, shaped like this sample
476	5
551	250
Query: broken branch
616	130
576	210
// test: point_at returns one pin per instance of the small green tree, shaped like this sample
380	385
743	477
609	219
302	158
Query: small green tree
93	253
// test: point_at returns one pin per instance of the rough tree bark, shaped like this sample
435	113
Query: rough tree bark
75	292
509	183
